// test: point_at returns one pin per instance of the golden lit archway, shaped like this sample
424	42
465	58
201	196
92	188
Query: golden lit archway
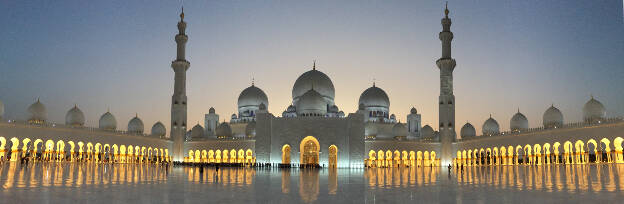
286	154
309	150
333	156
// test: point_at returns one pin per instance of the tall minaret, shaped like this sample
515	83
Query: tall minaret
178	100
446	64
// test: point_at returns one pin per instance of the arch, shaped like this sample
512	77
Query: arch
60	150
592	148
233	156
249	155
241	155
537	154
567	152
191	156
14	148
546	149
503	155
211	156
433	158
49	150
579	152
197	155
427	158
286	154
25	146
605	148
617	144
309	150
2	148
333	156
218	156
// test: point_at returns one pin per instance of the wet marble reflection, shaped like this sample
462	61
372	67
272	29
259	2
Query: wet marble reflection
66	182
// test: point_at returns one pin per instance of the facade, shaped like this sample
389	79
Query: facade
314	131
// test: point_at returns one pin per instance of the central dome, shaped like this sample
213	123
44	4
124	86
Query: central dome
490	127
375	97
518	122
312	103
314	78
38	112
468	131
158	130
135	125
593	111
553	118
251	98
108	121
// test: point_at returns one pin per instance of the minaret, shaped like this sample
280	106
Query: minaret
178	100
446	64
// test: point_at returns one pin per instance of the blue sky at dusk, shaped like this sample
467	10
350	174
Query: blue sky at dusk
117	54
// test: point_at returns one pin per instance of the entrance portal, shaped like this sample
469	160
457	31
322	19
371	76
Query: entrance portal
309	149
333	156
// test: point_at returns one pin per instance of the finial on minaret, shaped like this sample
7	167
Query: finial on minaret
490	115
108	109
37	98
373	82
313	64
446	11
75	105
592	96
518	109
253	81
136	114
182	14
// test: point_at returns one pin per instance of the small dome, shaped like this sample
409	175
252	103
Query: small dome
593	111
108	121
75	117
224	130
1	109
262	107
518	122
490	127
468	131
250	130
333	109
136	125
374	97
38	112
427	132
234	116
399	130
159	130
311	103
252	97
413	111
370	129
341	114
211	110
553	118
291	108
197	132
392	117
313	78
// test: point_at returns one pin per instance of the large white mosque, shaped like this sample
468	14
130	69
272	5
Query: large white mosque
313	130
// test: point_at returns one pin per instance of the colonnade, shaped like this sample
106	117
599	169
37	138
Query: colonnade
403	158
221	156
50	150
572	152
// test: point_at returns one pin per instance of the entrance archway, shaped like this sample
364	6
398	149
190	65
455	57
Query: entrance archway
309	150
333	156
286	154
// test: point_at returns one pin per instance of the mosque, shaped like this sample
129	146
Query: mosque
313	130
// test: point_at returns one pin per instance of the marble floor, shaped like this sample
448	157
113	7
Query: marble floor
132	183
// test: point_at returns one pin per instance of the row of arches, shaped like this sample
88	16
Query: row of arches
232	156
577	152
403	158
60	150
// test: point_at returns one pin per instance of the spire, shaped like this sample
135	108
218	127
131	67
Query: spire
253	81
518	109
373	82
490	115
108	109
182	14
313	64
136	115
446	11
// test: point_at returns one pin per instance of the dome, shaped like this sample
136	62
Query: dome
224	130
252	97
552	118
518	122
262	107
108	121
341	114
333	109
159	130
250	130
1	109
135	125
593	111
234	116
311	103
392	117
291	108
197	132
490	127
399	129
370	129
74	117
38	112
374	97
321	82
468	131
413	111
211	110
427	131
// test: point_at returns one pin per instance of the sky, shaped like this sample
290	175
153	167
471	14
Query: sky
117	54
